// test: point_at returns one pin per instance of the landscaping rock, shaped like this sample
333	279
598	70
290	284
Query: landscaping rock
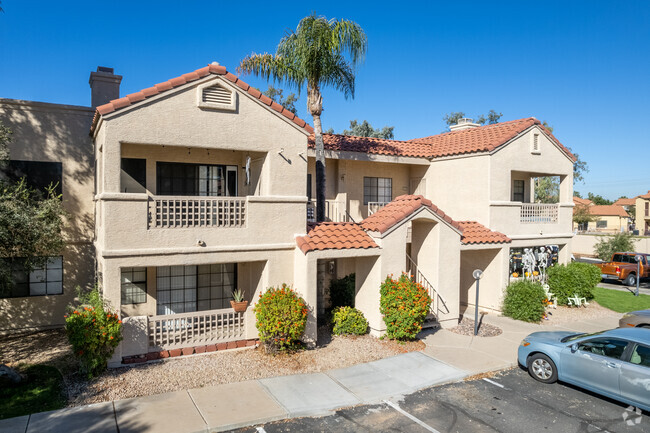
9	376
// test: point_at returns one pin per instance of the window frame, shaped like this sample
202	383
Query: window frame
624	354
173	178
372	187
601	224
515	193
26	290
135	283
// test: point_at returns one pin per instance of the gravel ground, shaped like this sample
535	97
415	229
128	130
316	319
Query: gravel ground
564	314
466	327
199	370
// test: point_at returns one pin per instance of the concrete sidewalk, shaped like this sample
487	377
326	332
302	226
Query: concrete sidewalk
225	407
482	354
448	357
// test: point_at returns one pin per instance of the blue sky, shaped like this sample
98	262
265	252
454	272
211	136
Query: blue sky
583	66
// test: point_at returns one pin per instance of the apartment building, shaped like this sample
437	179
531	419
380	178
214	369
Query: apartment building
203	185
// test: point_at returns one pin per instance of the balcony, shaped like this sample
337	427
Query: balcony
186	212
375	206
521	219
335	211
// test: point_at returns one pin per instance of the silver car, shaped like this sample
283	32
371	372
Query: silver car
638	319
613	363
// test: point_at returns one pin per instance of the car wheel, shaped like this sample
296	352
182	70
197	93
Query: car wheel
542	368
630	280
643	326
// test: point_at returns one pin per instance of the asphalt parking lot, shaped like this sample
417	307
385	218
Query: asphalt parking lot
644	286
509	402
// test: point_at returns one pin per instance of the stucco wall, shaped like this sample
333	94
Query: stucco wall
584	244
615	224
55	133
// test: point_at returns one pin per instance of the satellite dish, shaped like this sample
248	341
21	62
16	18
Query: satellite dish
477	274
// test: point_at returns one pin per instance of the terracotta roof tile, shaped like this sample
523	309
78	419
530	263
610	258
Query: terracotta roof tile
625	201
399	209
335	236
646	196
477	233
608	210
481	139
378	146
582	201
116	104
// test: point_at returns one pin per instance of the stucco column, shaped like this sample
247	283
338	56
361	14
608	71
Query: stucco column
368	279
111	285
112	165
304	282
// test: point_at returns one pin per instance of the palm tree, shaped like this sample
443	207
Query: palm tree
313	54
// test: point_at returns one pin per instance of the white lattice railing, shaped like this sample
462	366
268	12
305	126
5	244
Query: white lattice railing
538	213
335	211
171	212
175	331
374	206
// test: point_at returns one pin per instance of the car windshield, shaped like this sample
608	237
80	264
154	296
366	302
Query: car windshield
576	336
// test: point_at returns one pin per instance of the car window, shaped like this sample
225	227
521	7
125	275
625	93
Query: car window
641	356
609	347
617	258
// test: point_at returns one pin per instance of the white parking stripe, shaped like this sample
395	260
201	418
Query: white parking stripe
411	417
494	383
260	429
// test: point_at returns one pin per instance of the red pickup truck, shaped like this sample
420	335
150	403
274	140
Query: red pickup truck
623	267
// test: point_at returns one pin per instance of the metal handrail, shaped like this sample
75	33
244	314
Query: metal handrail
436	298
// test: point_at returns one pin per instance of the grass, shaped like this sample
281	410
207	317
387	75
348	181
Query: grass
42	390
619	301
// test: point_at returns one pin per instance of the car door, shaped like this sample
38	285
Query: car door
595	364
635	375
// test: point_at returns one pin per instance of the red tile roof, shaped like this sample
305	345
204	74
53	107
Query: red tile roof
608	210
335	236
582	201
215	69
378	146
482	139
625	201
400	208
646	196
477	233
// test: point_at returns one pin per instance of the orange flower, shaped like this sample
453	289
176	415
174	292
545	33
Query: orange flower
110	338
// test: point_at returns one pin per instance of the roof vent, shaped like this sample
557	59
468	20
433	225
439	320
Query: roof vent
464	123
216	96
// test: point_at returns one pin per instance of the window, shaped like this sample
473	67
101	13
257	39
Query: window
377	189
518	190
196	179
609	347
134	285
134	175
44	280
601	224
38	175
309	187
647	208
641	356
183	289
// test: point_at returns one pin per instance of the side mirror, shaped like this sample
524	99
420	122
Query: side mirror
574	347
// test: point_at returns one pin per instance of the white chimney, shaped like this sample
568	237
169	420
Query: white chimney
464	123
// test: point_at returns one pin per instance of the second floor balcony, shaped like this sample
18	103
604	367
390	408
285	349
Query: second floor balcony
519	219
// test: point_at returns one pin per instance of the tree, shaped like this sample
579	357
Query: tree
598	200
453	117
547	189
579	166
288	102
581	215
608	245
490	118
365	129
31	223
577	194
314	55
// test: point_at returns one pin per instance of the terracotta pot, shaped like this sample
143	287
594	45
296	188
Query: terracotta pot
239	307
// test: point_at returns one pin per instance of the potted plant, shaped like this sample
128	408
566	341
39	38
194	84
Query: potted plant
238	303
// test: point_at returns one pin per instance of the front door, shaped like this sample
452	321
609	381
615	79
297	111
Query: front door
596	365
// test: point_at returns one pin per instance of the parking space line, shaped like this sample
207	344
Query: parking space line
494	383
260	430
411	417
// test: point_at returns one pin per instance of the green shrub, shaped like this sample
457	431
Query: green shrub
281	318
405	305
575	278
94	332
608	245
349	321
524	300
342	292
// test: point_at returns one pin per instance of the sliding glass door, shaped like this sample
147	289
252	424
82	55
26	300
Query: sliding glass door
175	178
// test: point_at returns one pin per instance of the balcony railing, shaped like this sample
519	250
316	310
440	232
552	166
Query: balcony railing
539	213
194	329
374	206
186	212
335	211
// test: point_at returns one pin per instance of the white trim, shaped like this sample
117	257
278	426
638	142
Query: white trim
196	250
343	253
122	196
416	213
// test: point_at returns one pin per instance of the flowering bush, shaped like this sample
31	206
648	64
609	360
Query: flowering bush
349	321
94	332
281	318
404	304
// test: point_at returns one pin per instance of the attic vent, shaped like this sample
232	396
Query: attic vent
535	146
216	96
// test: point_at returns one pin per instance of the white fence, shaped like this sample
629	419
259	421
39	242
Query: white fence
175	331
171	212
374	206
536	213
335	211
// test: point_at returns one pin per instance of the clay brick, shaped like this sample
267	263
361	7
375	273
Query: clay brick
187	351
254	92
140	359
242	85
211	348
151	356
199	349
175	352
241	343
177	81
250	343
163	354
127	360
232	345
222	346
